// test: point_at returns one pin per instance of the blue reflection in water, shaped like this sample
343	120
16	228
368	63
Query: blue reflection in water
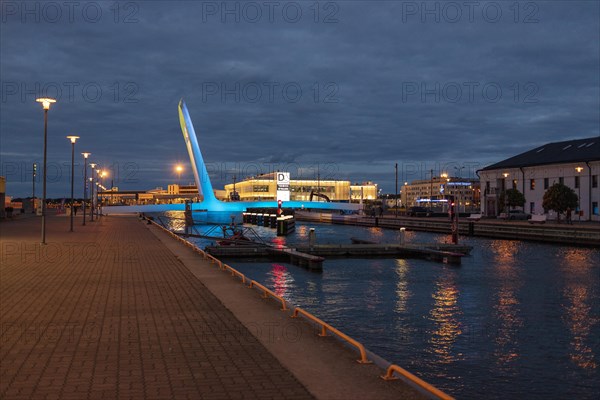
516	320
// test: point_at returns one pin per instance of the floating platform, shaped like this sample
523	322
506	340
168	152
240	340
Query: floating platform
453	248
385	250
312	257
310	261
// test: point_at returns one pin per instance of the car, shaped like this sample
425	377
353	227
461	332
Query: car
418	212
518	215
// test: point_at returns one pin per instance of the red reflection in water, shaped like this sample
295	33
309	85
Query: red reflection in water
280	278
279	241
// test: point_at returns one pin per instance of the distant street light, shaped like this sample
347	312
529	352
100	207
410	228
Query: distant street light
46	101
579	169
73	139
33	175
396	190
93	167
179	170
505	175
458	174
85	182
103	174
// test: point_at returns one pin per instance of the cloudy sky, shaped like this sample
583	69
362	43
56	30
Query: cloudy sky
345	87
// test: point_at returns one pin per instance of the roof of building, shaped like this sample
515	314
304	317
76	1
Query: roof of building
569	151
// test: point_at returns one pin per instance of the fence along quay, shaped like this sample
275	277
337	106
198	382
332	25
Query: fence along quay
393	371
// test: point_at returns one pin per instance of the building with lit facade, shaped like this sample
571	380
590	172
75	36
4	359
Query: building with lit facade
174	194
575	163
264	187
433	193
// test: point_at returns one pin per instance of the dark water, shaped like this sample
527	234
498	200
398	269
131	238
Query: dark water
516	320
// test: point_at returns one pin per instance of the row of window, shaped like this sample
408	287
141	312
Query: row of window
561	180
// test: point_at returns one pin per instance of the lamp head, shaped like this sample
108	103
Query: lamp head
86	155
93	165
46	101
505	174
73	138
579	169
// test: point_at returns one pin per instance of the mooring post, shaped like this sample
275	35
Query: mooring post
312	237
402	231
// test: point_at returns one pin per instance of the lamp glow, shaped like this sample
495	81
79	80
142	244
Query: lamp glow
73	138
46	101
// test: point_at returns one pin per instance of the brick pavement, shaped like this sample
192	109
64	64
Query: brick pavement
109	312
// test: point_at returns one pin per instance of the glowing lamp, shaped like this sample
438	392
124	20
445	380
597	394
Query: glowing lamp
46	101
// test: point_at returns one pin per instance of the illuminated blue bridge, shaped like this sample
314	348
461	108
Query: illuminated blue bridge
210	209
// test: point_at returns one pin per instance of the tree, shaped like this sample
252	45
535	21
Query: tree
559	198
515	199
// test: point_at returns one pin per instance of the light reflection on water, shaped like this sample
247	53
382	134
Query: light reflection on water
516	320
578	316
506	304
445	315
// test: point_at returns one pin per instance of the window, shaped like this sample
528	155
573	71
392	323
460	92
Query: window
577	182
561	180
487	186
514	183
532	208
532	184
594	181
595	208
546	183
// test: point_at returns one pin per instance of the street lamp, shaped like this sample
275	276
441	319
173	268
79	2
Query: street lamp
93	166
505	175
179	170
73	139
103	174
33	175
578	169
46	101
396	190
85	157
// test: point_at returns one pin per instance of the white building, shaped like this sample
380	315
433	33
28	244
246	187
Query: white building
575	163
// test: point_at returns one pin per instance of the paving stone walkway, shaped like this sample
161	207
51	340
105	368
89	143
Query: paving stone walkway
108	312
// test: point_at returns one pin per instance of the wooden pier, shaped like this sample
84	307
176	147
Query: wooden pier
310	261
384	250
312	257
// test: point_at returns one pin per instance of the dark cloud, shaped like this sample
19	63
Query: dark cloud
379	83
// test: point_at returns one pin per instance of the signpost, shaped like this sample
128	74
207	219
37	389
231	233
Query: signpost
283	186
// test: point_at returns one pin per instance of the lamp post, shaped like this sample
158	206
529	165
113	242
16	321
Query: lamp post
444	175
102	174
98	197
33	175
93	166
85	181
179	170
505	175
396	168
579	169
46	101
73	139
430	189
